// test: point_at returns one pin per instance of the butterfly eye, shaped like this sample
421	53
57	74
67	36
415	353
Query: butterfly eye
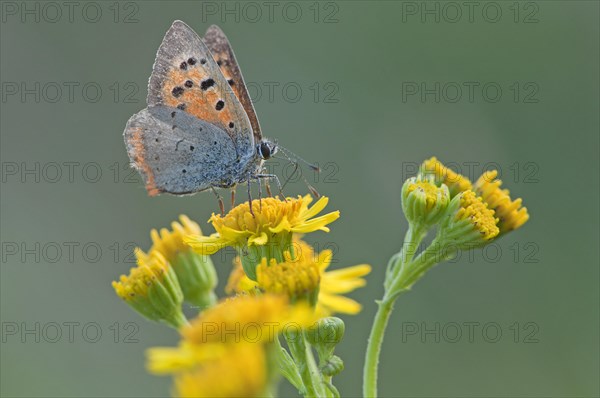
265	150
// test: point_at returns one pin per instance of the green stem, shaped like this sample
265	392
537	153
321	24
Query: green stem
305	361
374	347
412	239
330	390
287	367
402	273
431	256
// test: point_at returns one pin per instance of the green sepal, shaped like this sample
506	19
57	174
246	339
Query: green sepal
162	301
197	277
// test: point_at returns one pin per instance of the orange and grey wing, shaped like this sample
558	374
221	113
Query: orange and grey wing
186	76
219	46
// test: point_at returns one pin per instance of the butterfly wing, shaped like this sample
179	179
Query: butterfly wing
176	152
219	46
185	76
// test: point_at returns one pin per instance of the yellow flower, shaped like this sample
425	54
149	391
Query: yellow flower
212	370
152	289
455	182
298	279
195	272
510	213
170	243
333	284
241	372
276	219
150	269
473	209
223	351
429	191
469	223
247	319
423	203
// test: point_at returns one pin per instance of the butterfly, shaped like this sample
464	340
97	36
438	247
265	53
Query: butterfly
200	130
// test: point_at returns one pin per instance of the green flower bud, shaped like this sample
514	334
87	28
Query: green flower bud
195	272
197	277
334	366
325	335
152	289
423	202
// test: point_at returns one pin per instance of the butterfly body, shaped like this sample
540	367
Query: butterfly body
199	130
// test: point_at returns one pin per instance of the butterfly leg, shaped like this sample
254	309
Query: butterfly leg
259	194
220	199
232	197
250	195
268	188
273	176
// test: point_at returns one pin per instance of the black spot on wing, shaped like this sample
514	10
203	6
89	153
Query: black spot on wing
206	84
177	91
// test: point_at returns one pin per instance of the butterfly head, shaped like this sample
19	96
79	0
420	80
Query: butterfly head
265	149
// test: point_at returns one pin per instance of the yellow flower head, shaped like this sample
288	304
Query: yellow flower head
298	279
213	370
423	202
455	182
510	213
277	217
332	286
152	289
473	209
152	269
241	372
196	274
427	189
468	224
247	319
170	243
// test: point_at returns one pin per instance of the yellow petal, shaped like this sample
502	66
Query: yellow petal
355	271
261	239
317	223
206	244
339	304
164	360
317	207
284	225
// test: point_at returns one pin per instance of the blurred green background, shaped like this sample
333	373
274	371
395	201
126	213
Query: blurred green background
342	75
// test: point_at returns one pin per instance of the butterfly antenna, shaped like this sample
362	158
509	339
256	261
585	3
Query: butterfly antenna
296	167
293	158
291	155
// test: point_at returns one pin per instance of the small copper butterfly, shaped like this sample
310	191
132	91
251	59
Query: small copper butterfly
200	130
